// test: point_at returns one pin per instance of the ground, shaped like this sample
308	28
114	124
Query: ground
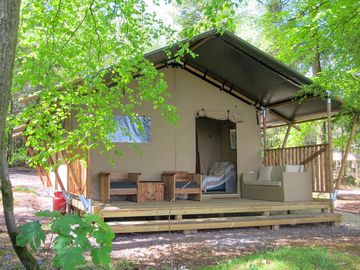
157	250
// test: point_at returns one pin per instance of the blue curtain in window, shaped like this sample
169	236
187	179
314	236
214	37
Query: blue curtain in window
130	131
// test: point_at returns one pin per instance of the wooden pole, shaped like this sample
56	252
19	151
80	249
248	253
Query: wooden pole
264	132
286	136
330	155
347	151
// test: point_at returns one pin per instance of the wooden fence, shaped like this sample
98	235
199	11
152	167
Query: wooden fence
314	157
78	178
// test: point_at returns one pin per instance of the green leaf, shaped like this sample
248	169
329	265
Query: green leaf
92	218
69	258
64	224
47	213
62	243
101	256
31	233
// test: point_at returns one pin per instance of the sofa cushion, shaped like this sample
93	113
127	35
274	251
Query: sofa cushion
184	184
276	173
294	168
263	183
123	184
265	173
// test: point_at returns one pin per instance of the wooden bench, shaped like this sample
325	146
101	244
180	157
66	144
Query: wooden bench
182	183
119	183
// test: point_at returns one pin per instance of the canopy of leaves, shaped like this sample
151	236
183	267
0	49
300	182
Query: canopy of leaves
86	60
194	17
305	31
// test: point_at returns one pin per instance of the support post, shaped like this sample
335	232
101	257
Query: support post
347	151
286	136
330	155
264	132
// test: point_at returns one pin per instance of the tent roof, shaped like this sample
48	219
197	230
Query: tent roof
253	76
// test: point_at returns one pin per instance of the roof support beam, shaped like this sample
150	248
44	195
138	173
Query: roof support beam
235	94
283	118
290	101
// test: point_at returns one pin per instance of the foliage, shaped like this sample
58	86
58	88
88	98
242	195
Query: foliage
319	35
19	158
291	258
74	236
86	61
195	17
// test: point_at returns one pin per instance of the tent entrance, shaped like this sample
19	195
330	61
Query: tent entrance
216	155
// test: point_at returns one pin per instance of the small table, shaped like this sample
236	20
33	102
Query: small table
151	191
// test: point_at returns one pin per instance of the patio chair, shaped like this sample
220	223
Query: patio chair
119	183
182	183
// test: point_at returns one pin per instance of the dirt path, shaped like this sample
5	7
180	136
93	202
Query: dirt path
190	251
211	247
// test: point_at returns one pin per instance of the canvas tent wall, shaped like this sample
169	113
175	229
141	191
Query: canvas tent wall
174	148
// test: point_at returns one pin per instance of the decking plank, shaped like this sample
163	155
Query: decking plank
218	223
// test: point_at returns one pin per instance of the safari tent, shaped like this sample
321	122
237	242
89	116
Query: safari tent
211	170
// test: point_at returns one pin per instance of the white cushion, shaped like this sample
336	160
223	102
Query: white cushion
265	173
277	173
292	168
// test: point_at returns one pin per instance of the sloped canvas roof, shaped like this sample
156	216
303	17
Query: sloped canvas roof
253	76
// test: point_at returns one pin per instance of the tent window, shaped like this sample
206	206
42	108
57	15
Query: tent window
128	131
233	138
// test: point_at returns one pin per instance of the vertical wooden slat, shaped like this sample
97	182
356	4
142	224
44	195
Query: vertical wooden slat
315	156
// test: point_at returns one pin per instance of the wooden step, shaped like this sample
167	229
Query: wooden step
219	223
198	208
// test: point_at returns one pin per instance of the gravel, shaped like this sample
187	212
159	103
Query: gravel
210	247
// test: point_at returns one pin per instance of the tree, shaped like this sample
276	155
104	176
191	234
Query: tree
9	23
84	58
319	36
194	16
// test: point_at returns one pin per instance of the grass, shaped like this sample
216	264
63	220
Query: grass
23	189
292	258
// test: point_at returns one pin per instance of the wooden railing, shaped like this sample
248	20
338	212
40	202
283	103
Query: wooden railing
314	157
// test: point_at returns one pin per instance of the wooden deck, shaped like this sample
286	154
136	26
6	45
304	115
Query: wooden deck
127	216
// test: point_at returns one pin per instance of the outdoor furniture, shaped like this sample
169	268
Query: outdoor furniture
151	191
119	183
178	183
277	183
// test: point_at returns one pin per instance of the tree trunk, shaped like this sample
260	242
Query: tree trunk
347	151
9	24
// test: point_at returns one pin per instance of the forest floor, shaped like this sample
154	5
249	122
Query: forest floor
157	250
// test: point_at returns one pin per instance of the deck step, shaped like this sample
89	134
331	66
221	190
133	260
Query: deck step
219	223
204	208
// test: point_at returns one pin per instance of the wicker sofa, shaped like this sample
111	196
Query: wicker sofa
283	185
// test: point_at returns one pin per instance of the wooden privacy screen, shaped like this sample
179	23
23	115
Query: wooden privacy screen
78	178
314	157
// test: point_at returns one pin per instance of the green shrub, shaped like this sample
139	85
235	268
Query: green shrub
350	181
73	238
19	158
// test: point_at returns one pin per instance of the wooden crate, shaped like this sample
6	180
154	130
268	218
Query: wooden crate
151	191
